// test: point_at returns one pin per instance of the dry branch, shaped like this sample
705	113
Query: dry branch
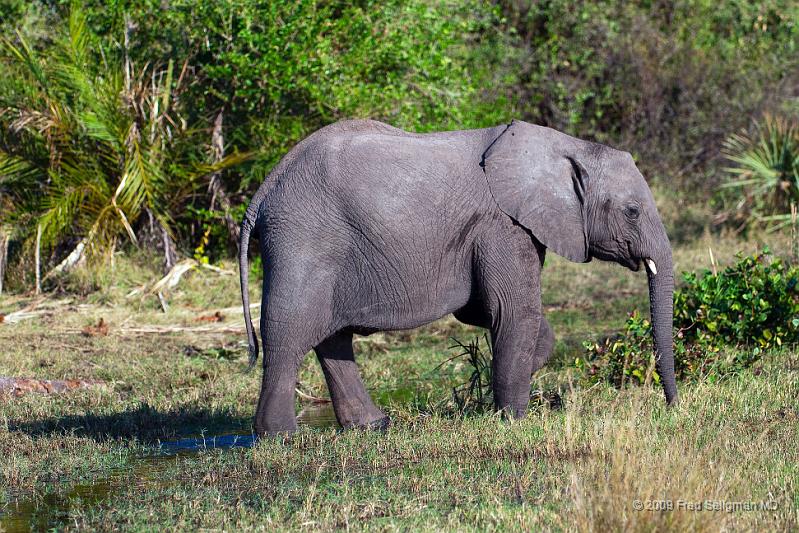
173	276
312	399
30	310
37	259
70	261
3	258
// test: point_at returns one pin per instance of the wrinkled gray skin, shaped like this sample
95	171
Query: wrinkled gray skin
364	227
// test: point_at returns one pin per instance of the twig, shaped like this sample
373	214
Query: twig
162	301
3	258
222	271
149	330
712	261
794	238
313	399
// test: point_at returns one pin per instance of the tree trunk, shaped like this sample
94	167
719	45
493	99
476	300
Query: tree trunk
215	185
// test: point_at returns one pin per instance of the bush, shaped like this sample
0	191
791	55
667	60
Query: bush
275	71
476	394
723	322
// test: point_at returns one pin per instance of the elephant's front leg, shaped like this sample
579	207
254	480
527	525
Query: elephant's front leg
509	270
514	343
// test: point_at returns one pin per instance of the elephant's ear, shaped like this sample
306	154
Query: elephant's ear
535	181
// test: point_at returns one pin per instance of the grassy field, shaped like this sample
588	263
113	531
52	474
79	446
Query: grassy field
91	458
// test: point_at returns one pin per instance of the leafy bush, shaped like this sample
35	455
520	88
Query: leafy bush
668	81
724	322
765	171
281	70
276	71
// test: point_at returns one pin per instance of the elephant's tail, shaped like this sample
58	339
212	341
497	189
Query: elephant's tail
244	270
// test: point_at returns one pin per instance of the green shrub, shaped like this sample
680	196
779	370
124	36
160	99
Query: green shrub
476	394
723	323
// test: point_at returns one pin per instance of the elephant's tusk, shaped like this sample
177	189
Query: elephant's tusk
651	265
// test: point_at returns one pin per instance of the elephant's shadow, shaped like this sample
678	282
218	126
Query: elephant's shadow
143	423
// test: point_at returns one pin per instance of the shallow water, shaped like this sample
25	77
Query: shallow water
47	510
43	511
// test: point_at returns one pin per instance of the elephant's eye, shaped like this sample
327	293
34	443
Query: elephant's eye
632	212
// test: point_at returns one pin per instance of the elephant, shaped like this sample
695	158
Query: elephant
364	227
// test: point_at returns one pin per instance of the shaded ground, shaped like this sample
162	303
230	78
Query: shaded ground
94	459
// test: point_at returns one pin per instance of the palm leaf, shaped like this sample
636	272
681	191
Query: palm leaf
25	55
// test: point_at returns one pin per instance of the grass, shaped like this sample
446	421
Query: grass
89	459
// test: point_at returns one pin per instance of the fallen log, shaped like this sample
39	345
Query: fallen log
18	386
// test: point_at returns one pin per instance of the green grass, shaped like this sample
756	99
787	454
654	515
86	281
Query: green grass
89	459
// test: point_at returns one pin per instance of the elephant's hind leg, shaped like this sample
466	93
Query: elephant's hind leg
351	401
275	413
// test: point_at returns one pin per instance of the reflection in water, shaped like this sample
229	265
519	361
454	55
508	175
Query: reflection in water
47	510
317	415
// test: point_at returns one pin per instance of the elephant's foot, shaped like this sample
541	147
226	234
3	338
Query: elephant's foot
378	425
275	427
364	417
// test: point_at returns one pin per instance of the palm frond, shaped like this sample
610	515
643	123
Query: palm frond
26	56
765	168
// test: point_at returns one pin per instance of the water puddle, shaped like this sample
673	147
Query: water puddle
43	511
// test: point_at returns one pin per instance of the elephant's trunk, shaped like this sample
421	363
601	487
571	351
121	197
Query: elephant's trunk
661	301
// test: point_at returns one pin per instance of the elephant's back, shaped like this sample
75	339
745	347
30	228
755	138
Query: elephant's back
365	180
366	166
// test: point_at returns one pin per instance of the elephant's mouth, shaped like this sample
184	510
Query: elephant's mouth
609	252
632	261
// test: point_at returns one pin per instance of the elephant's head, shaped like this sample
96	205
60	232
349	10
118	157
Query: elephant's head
584	200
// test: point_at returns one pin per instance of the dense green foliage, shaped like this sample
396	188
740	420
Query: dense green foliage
724	322
275	72
668	81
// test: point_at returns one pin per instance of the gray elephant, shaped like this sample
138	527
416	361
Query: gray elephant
364	227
